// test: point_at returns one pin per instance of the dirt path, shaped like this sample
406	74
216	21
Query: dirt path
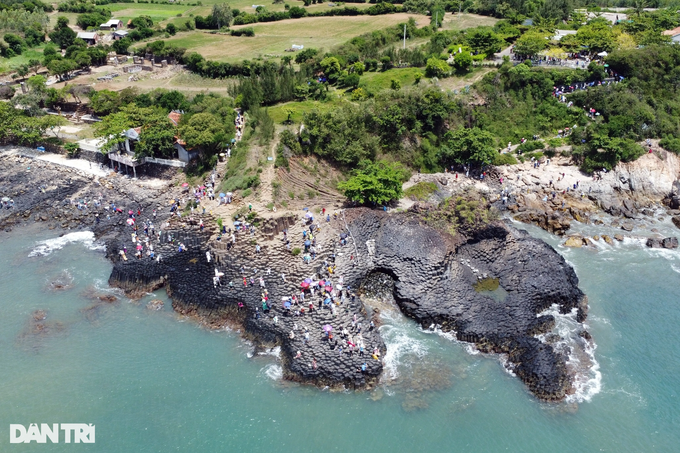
268	175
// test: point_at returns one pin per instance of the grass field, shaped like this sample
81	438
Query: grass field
274	37
15	62
376	81
158	13
466	20
279	113
164	14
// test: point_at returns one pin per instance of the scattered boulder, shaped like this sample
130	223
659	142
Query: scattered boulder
574	241
107	298
628	226
618	237
670	243
665	243
155	304
676	221
607	239
552	222
585	335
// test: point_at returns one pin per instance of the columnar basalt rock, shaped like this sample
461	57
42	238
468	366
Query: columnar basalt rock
434	276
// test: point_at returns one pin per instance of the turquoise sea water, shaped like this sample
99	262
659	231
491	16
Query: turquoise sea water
152	382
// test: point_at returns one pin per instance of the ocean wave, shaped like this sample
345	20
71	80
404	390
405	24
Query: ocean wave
44	248
400	342
470	348
507	366
273	371
581	361
274	352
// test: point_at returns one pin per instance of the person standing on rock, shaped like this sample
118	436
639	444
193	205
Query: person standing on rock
207	255
283	277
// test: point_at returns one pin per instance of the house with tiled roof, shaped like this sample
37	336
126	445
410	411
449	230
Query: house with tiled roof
674	34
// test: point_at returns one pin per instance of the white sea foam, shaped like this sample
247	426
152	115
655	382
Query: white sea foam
275	352
451	336
508	367
588	382
580	353
44	248
273	371
399	340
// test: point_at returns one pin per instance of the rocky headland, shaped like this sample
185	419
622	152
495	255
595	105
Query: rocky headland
486	281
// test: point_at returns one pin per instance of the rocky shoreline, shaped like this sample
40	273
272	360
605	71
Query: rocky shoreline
435	275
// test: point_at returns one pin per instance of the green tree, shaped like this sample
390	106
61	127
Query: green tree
141	22
485	41
386	62
359	68
467	146
62	35
437	68
374	182
462	61
121	46
203	130
531	43
221	15
639	7
597	35
156	138
395	84
105	102
171	29
111	129
351	80
330	66
15	43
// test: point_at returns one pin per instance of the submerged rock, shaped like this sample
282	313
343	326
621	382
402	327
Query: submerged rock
155	304
666	243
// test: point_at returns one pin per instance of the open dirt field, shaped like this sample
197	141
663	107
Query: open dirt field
274	37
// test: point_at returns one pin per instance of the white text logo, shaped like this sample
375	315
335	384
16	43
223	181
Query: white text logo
72	432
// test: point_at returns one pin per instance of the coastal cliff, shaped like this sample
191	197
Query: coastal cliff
439	277
434	275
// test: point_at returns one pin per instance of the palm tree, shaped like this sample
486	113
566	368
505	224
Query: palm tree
639	6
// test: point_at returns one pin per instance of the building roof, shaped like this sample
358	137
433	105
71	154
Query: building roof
175	117
87	35
559	34
674	32
111	23
120	33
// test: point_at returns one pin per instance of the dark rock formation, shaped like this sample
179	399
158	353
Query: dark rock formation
434	276
676	221
189	280
666	243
